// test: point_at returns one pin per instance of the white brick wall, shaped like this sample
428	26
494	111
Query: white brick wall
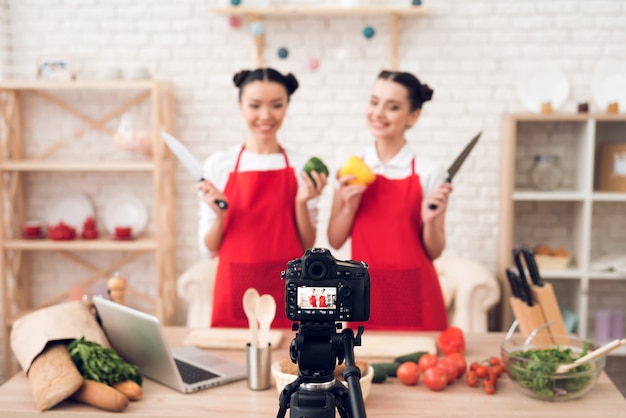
471	53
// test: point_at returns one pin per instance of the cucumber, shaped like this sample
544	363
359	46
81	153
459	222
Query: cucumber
414	357
380	372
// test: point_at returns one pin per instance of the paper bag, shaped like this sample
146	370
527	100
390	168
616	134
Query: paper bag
66	321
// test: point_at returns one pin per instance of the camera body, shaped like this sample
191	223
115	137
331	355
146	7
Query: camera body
320	288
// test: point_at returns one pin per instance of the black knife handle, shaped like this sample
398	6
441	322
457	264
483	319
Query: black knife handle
515	290
531	263
433	206
221	204
517	258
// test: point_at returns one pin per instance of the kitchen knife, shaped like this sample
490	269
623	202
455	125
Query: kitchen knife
545	296
523	283
515	290
189	161
458	162
531	264
529	317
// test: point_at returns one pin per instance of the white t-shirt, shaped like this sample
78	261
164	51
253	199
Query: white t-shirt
431	172
218	167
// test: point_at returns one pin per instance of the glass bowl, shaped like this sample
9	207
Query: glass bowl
535	375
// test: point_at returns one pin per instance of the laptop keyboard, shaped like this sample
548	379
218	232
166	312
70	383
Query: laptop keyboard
192	374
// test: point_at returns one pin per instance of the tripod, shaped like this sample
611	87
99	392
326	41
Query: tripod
316	393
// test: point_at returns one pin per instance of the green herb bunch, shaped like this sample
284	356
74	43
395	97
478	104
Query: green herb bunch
102	364
534	370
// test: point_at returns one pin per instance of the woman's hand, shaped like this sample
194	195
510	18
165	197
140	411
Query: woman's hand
309	189
209	194
350	194
439	197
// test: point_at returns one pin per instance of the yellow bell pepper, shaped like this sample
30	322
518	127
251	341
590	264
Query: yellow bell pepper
355	166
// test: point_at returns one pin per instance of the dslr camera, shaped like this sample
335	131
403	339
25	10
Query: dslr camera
320	288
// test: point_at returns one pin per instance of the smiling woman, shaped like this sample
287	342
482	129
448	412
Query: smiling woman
405	289
272	202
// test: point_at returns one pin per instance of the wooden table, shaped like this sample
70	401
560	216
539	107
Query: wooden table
390	399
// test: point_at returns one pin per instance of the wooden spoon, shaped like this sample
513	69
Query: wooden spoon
266	311
564	368
250	302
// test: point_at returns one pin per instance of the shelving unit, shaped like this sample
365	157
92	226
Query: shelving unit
253	14
566	217
18	160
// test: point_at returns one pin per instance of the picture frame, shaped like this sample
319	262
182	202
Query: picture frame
54	67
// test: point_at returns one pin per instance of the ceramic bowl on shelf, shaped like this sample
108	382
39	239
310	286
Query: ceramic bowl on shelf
535	377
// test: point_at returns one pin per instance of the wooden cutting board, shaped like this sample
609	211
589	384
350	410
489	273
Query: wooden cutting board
394	345
227	338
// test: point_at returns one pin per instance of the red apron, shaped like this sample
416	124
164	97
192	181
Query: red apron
260	236
387	230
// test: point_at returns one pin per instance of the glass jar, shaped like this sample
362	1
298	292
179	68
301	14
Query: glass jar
545	173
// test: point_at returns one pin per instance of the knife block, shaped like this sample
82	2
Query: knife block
530	318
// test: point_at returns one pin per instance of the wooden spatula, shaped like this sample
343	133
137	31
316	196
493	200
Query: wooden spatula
564	368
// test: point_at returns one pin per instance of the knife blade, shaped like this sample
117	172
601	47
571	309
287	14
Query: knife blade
189	161
458	162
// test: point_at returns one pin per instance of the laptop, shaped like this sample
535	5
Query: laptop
137	337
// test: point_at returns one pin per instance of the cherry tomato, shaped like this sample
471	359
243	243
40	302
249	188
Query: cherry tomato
451	371
497	369
481	371
435	378
471	379
495	361
408	373
427	361
474	365
451	340
459	361
490	387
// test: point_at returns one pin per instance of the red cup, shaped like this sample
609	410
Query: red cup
123	231
31	229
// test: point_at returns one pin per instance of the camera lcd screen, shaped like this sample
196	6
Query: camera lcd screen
317	299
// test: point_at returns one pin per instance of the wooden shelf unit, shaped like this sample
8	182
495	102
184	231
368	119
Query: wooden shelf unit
15	166
580	137
253	14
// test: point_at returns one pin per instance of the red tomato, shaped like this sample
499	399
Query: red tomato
427	361
451	340
450	368
493	361
497	370
481	371
408	373
472	379
459	361
490	387
435	378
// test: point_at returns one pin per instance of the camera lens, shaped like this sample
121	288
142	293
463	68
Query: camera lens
317	270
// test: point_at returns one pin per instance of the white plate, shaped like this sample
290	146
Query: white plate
609	85
72	209
543	85
125	210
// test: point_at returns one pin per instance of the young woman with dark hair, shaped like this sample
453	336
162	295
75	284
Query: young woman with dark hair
389	222
272	203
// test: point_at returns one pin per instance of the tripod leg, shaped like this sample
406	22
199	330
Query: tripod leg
285	396
342	400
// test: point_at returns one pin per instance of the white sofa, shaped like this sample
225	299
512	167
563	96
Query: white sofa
469	289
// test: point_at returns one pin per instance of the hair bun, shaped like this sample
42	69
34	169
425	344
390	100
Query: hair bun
426	93
291	83
239	78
